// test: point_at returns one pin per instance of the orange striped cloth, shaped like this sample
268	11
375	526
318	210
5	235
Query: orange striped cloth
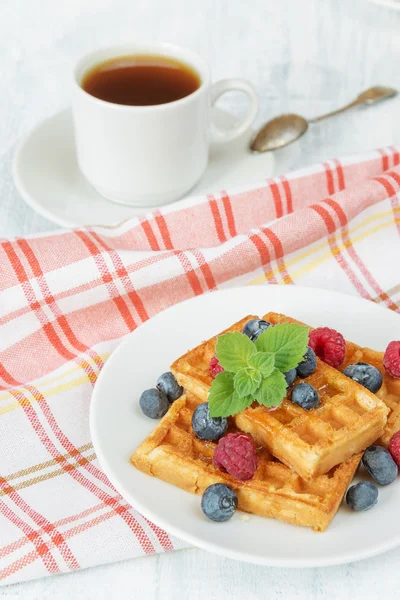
67	298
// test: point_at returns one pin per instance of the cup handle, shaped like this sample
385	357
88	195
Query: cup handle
229	85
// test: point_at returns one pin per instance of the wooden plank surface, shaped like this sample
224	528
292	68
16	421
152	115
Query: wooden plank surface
306	56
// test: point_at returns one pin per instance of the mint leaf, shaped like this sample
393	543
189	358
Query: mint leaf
223	400
272	390
234	350
288	341
247	381
263	362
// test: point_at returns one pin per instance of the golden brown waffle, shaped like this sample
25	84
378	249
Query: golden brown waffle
348	419
390	390
173	453
192	369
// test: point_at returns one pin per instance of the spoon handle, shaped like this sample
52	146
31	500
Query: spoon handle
338	111
370	96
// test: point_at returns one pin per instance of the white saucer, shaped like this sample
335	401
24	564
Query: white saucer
47	176
118	427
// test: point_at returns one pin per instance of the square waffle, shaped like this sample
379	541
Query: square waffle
348	419
390	390
173	453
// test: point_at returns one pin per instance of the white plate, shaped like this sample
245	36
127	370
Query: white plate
118	427
47	176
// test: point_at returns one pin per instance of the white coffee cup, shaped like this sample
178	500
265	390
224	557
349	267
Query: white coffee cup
150	155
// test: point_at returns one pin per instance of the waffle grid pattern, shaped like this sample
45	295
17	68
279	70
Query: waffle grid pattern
311	442
390	390
174	454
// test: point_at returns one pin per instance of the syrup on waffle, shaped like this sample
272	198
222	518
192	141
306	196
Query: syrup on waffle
390	390
347	421
173	453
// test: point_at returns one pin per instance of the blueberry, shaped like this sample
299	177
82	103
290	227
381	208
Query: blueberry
205	427
380	465
154	403
167	384
254	328
290	376
219	502
366	375
305	395
308	364
362	496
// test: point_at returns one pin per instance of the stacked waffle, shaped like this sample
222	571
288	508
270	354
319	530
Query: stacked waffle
306	459
390	390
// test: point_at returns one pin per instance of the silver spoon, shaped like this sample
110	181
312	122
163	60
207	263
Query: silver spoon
285	129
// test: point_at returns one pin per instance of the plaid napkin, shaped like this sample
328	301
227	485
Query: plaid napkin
68	298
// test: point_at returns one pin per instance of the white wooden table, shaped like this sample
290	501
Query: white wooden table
305	56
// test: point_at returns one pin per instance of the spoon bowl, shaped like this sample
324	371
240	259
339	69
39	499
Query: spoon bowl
279	132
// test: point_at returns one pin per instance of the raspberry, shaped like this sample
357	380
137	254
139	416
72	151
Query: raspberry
329	345
391	359
215	367
394	448
236	454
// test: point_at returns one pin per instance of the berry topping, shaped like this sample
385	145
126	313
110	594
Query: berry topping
236	454
254	328
219	502
290	376
215	367
205	427
394	448
362	495
167	384
366	375
154	403
391	359
305	395
308	365
329	345
380	465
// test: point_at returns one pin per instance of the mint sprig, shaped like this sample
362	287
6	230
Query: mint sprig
255	370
